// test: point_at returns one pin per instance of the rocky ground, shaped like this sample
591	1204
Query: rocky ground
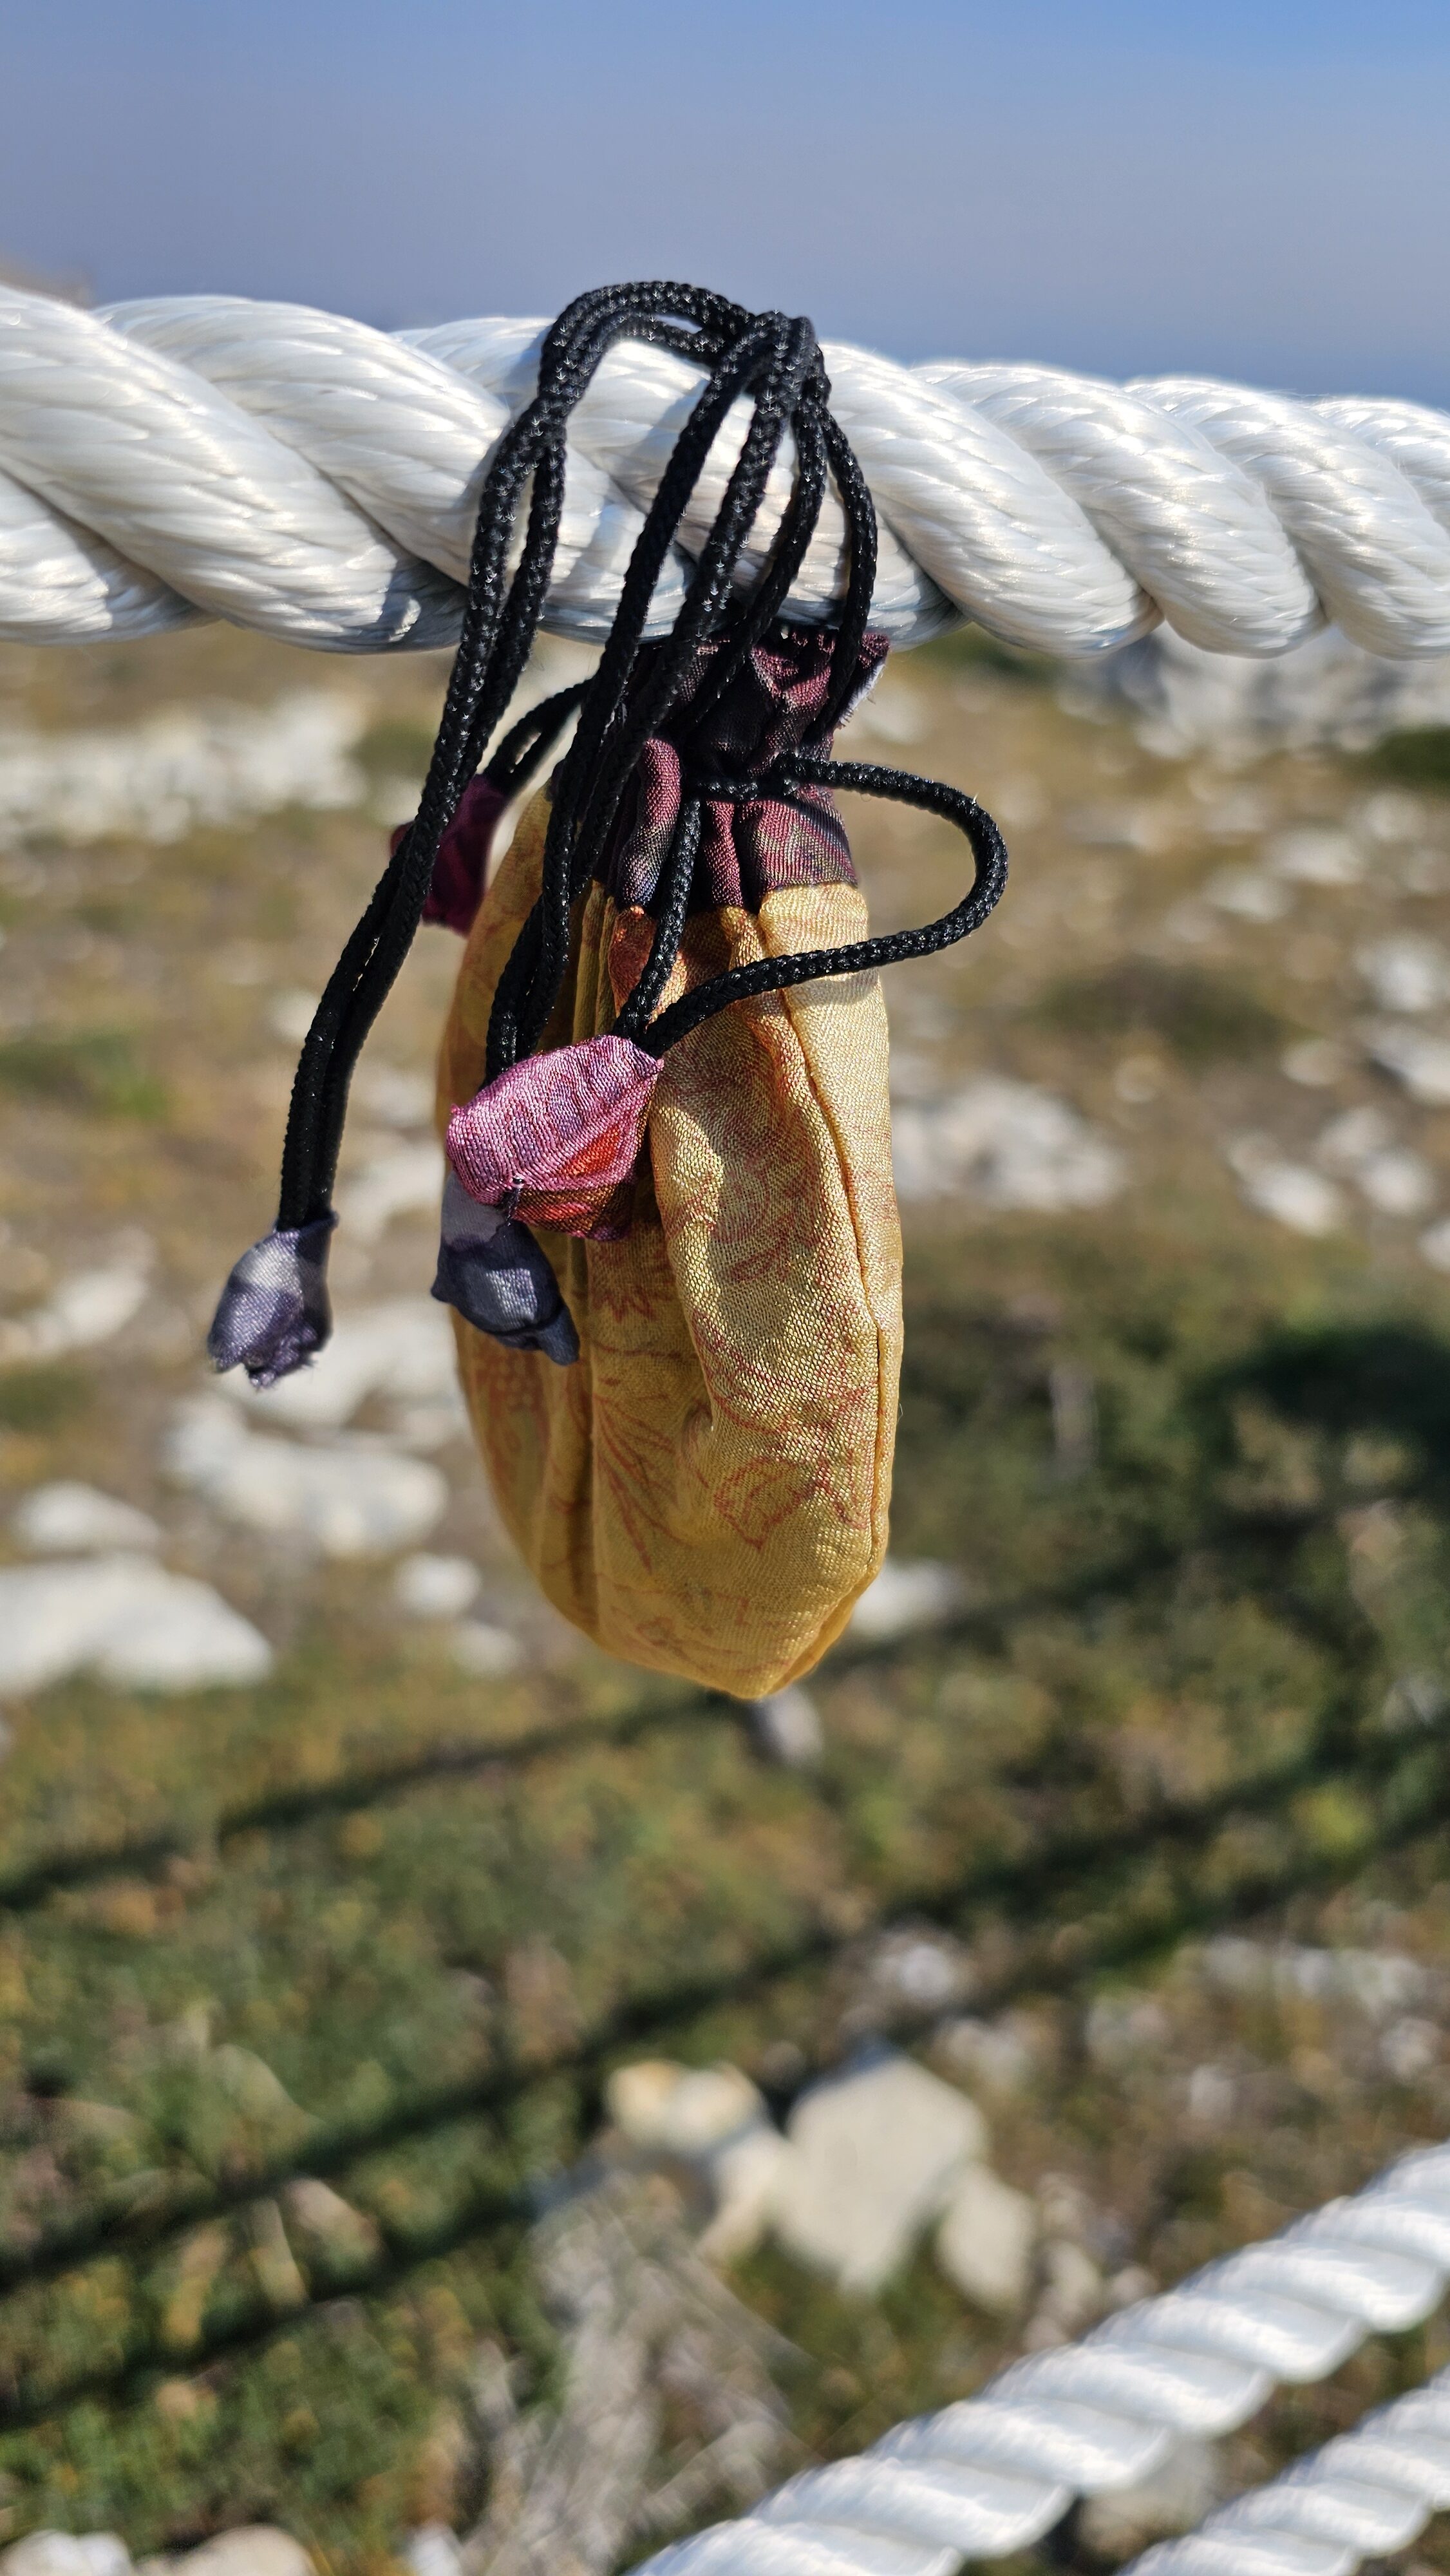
367	1943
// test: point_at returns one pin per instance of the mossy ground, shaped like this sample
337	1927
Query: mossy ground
380	1924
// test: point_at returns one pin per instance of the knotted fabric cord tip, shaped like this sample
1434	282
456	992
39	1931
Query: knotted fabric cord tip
774	362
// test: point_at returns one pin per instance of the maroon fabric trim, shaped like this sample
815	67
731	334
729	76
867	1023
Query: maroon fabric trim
460	871
747	850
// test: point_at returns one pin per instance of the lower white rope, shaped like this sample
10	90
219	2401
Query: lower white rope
1363	2495
993	2473
304	474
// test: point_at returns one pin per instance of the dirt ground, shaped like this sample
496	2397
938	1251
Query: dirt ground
1182	1427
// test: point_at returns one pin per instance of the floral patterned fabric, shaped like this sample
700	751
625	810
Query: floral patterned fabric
706	1490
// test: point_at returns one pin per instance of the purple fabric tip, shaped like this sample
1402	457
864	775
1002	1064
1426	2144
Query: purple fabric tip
492	1272
273	1314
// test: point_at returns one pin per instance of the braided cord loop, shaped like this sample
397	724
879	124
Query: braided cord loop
860	956
771	365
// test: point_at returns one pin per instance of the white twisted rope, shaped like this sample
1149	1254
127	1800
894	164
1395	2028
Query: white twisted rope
1365	2494
303	474
992	2474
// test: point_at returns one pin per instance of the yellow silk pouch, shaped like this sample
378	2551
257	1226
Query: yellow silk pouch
706	1490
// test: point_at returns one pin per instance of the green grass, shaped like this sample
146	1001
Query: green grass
1204	1017
379	1924
1418	757
394	747
96	1070
433	1975
971	648
44	1399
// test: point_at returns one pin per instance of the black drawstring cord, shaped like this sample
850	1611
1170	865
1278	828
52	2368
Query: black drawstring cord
276	1300
676	879
530	741
861	956
614	725
500	619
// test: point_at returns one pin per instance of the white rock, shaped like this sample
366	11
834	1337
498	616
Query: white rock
65	2553
925	1970
1392	815
1410	2047
906	1595
1006	1144
1291	1193
1418	1060
787	1727
1327	690
355	1497
1249	893
1316	854
1414	1699
126	1619
744	2175
70	1520
1185	2487
185	1637
1020	803
1351	1140
155	779
394	1095
431	1423
88	1309
403	1350
1398	1182
432	2550
1230	817
1137	1080
435	1587
321	2212
1118	827
1361	1145
489	1654
668	2109
1425	871
712	2118
404	1182
874	2154
259	2549
1406	972
1379	1982
395	799
894	712
1073	2293
1315	1062
985	2242
995	2054
1190	924
290	1014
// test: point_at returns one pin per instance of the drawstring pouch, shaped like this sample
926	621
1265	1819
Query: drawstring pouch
669	1232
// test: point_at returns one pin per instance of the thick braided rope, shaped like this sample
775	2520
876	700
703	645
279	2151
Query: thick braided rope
1363	2495
992	2474
301	473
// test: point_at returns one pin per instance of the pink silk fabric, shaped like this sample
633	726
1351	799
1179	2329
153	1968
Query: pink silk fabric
554	1138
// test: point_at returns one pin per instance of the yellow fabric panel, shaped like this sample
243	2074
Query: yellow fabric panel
706	1491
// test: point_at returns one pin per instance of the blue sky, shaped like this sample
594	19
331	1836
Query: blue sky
1121	185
